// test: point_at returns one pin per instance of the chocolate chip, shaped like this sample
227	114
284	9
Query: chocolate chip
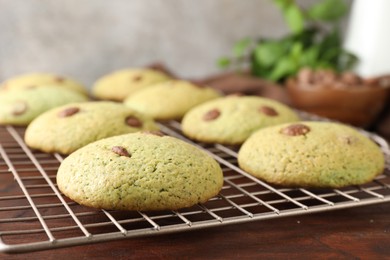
269	111
295	130
19	108
68	112
211	115
59	79
158	133
133	121
120	151
137	78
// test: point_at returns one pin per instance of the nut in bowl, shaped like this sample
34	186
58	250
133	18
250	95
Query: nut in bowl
343	97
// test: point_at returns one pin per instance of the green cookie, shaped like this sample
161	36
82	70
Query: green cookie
139	171
120	84
67	128
311	154
43	79
21	106
232	119
170	99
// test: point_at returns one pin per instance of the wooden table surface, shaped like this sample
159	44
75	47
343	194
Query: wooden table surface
354	233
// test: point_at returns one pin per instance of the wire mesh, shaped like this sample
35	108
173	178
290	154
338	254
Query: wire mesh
34	215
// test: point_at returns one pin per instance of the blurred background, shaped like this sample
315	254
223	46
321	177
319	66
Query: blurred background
86	39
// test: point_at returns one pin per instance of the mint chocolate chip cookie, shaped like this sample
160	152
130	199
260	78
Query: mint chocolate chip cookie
34	80
311	154
232	119
67	128
120	84
170	99
21	106
139	171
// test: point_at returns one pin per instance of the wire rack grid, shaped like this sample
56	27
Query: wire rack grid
34	215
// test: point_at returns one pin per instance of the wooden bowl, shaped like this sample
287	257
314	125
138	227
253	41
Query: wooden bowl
357	105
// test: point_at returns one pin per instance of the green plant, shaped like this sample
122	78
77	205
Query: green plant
315	41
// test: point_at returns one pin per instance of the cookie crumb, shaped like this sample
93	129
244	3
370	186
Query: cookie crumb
349	140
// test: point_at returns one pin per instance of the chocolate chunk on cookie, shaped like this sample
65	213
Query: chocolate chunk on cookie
66	129
232	119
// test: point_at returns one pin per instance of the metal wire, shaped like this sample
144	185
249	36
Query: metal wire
36	213
39	167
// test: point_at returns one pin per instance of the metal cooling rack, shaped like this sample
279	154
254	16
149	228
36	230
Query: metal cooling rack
34	215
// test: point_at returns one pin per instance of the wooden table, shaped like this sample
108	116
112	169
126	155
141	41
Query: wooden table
362	232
